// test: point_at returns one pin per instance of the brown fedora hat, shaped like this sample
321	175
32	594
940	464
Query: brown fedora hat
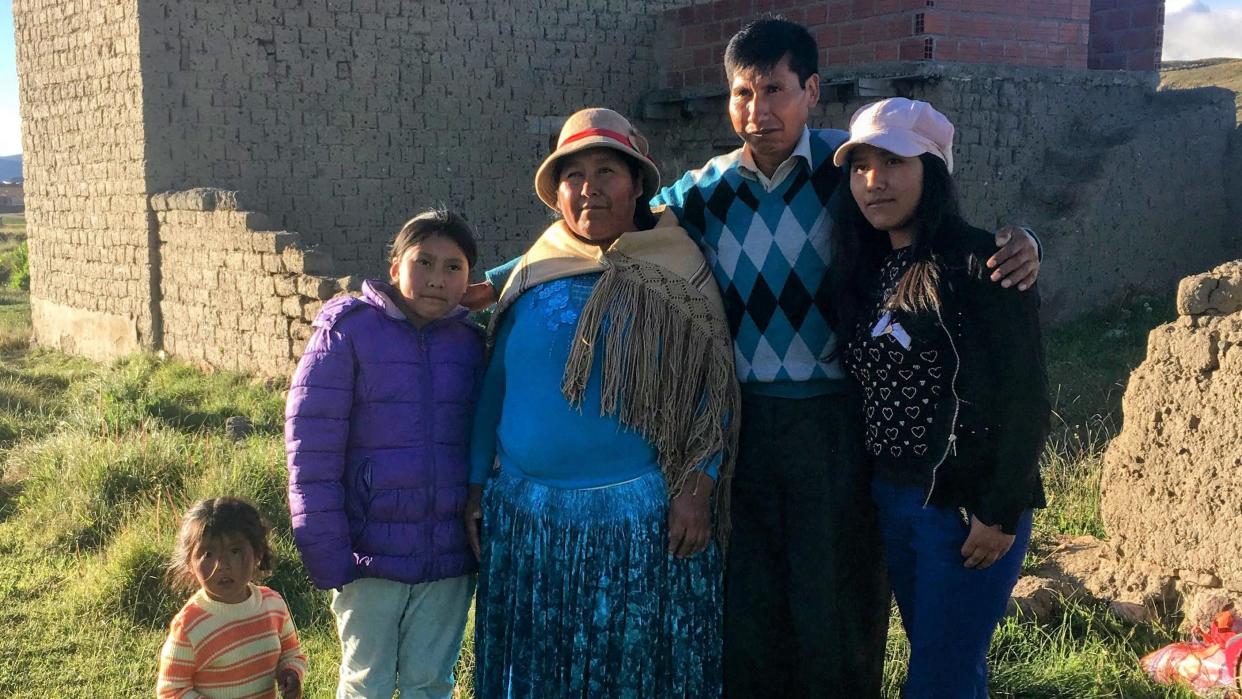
596	128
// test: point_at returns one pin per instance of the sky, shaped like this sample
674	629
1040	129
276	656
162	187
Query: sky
10	122
1202	29
1193	29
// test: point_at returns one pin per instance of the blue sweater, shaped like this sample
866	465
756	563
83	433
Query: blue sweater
523	419
770	252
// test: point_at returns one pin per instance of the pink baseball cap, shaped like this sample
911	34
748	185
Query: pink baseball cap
908	128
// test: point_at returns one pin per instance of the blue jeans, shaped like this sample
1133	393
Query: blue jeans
949	611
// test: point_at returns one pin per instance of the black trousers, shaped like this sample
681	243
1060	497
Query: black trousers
806	600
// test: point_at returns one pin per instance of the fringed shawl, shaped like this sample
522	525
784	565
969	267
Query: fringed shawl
667	354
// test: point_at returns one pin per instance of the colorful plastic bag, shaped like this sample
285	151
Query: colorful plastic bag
1208	664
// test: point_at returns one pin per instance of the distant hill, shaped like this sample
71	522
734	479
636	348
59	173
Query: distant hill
1220	72
11	167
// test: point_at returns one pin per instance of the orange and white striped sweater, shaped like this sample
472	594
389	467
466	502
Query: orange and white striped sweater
229	651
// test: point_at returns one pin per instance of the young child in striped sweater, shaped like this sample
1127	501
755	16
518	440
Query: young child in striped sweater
233	638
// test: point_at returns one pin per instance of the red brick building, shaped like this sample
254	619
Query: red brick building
1100	34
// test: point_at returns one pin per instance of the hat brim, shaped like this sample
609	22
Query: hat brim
545	176
903	143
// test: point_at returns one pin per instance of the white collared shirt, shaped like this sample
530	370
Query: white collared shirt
751	171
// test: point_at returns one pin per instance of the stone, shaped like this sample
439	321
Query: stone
1039	599
1131	612
1216	292
238	427
1167	492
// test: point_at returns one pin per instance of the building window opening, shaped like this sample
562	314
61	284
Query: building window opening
929	49
919	23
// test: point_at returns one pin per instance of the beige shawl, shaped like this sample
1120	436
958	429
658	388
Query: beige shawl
666	349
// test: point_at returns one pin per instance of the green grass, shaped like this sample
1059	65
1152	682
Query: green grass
14	320
97	461
1089	360
13	223
14	254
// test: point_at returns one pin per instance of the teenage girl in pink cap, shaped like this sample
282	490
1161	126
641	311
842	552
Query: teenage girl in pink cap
954	391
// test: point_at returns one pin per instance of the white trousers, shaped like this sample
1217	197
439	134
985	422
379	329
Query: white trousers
398	635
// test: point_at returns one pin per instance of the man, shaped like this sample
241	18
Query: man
806	609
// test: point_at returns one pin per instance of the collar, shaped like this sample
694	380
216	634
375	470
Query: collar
235	611
803	150
380	294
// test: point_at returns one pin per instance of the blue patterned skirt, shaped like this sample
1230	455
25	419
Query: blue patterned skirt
578	596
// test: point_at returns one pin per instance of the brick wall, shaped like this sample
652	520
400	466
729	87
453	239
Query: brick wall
82	137
1126	186
1126	34
338	118
855	32
235	295
341	118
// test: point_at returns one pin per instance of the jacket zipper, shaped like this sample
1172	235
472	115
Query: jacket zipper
951	446
420	336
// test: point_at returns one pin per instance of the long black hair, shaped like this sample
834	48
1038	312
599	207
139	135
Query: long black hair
858	249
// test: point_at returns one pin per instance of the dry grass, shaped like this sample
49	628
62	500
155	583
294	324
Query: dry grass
1219	72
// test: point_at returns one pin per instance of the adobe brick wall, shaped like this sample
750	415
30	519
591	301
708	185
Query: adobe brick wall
233	294
849	32
86	205
339	119
1126	34
1127	187
1166	495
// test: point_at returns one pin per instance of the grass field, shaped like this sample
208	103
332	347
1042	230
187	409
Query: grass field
96	462
1218	72
13	252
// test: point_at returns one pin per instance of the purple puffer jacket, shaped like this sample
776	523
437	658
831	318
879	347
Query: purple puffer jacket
377	432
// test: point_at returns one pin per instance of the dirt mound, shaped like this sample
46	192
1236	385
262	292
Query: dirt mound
1171	491
1171	495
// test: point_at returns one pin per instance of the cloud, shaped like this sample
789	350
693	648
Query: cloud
1192	29
1174	6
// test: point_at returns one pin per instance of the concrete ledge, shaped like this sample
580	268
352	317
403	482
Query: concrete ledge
863	79
91	334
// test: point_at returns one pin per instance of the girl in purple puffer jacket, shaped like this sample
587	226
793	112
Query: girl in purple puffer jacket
377	431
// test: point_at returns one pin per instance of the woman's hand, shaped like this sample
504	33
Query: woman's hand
689	518
985	544
472	516
479	296
290	684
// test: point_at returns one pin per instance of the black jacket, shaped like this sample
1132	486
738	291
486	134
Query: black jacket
992	423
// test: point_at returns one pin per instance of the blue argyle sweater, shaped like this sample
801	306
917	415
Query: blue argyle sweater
769	252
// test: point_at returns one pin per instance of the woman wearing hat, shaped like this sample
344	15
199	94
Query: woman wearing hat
603	443
955	392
